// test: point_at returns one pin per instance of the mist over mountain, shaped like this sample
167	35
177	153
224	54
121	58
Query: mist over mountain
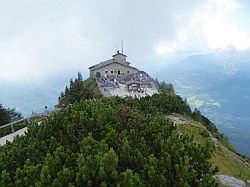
30	96
218	85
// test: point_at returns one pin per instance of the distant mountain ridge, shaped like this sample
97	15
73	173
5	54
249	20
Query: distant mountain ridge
218	85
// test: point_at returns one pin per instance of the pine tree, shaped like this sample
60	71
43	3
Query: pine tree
8	115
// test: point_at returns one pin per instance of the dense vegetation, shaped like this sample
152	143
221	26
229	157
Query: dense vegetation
8	115
79	89
109	142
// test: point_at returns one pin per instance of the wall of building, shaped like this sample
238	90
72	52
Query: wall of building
115	68
120	58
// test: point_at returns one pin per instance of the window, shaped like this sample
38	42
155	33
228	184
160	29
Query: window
106	72
111	72
127	71
98	74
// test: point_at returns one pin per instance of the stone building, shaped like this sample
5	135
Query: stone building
115	77
118	65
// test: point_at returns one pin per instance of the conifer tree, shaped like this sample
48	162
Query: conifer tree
8	115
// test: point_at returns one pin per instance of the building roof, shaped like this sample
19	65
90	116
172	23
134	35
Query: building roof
118	53
110	61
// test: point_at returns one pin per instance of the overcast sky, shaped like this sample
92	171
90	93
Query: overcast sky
41	37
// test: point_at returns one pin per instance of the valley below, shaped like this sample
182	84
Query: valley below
219	89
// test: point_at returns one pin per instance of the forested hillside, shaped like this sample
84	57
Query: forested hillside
109	142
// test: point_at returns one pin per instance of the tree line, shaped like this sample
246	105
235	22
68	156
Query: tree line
79	89
165	87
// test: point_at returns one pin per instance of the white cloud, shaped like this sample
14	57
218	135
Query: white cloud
40	41
40	38
163	49
39	51
210	26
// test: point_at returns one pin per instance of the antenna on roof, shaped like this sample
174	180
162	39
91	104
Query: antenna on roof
115	48
122	46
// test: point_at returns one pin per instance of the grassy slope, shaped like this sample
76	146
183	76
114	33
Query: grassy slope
227	161
230	164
